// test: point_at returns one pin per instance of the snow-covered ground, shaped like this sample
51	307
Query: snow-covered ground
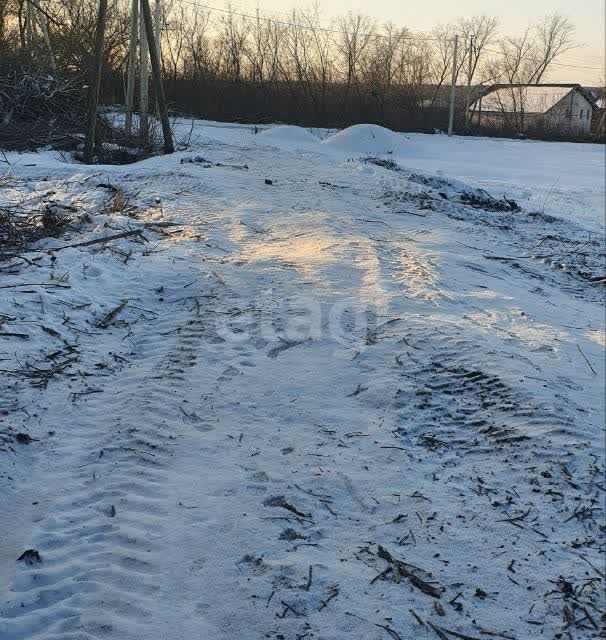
325	389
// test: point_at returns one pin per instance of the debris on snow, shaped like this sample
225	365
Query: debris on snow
428	464
30	557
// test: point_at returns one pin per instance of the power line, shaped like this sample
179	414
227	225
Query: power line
587	60
368	35
577	66
585	56
556	64
301	26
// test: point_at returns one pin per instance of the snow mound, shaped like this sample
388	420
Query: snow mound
365	138
287	135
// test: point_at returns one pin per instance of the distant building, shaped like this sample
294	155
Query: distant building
565	108
598	125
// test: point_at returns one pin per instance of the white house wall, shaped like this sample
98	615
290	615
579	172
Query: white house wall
572	113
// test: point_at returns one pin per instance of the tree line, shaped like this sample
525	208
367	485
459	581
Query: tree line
295	68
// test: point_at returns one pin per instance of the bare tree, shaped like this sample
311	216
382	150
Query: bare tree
514	63
442	56
4	26
527	58
395	68
232	41
482	31
262	49
553	37
356	33
320	68
199	59
295	68
176	21
296	62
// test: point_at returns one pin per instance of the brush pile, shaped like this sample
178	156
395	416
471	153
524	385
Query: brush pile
19	228
38	109
26	220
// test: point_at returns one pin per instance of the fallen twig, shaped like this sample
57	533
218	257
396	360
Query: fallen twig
392	632
51	285
441	632
587	361
286	344
89	243
401	569
111	316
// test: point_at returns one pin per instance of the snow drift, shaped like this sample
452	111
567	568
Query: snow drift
287	135
365	138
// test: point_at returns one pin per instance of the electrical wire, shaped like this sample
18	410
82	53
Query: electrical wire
300	26
556	64
369	35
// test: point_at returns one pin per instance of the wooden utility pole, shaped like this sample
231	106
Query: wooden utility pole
144	81
158	35
158	27
29	26
157	75
93	95
44	28
469	72
132	67
35	14
453	86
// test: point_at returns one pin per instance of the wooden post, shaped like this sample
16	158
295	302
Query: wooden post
144	81
44	28
158	27
158	36
157	75
453	86
132	67
93	95
468	94
29	30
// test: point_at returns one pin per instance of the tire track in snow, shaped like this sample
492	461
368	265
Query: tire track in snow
450	390
98	577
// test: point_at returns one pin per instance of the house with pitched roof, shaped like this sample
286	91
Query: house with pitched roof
562	108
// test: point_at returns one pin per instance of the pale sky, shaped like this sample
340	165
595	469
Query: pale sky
589	17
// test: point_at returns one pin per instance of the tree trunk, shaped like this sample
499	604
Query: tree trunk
95	82
132	67
144	81
157	74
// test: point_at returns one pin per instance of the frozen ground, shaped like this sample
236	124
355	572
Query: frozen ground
307	362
